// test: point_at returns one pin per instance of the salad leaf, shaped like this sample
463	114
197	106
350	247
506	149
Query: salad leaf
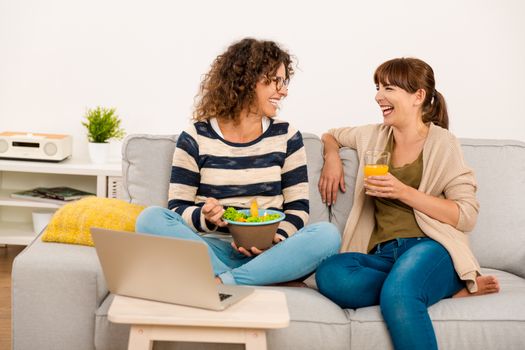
233	215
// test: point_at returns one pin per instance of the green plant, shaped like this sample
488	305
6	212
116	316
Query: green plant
102	124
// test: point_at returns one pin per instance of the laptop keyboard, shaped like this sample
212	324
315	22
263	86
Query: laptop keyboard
223	296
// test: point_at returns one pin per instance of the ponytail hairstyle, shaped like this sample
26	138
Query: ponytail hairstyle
412	74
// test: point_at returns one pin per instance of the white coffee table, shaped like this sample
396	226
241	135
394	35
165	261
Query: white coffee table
245	322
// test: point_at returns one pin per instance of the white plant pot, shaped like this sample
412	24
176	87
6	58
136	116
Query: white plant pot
99	152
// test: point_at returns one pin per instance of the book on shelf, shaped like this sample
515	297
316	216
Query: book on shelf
57	195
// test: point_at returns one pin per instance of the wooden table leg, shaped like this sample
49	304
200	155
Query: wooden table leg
255	339
139	338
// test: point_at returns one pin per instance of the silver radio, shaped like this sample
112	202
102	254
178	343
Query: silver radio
29	146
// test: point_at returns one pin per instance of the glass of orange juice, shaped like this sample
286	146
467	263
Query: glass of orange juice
376	162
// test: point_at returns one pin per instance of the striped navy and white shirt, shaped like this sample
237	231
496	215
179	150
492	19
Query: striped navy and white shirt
270	169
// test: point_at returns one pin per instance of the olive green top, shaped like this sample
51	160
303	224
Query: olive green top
393	218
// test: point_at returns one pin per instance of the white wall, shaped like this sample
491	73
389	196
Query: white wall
146	58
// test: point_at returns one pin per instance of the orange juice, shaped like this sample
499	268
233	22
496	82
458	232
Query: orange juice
375	169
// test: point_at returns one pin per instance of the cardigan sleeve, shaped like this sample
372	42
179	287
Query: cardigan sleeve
445	174
345	137
461	189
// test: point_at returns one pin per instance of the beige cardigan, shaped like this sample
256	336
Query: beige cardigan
444	175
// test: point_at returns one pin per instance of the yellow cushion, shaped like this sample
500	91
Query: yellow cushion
71	223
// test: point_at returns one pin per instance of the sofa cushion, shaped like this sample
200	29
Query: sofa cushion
72	222
146	168
147	175
314	160
341	209
109	335
494	321
498	240
315	323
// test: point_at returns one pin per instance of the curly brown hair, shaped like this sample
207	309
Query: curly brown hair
229	86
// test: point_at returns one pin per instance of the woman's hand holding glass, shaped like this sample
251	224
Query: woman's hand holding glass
385	186
378	181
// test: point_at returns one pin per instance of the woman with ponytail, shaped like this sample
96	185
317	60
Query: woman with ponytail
405	244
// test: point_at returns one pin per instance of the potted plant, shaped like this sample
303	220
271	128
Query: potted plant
102	125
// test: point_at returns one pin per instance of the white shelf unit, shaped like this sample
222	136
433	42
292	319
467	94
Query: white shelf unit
15	214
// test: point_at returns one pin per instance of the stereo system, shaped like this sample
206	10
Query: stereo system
29	146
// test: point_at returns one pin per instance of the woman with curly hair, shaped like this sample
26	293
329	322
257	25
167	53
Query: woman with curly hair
235	152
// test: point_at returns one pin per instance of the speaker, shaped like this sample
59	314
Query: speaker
3	146
29	146
50	149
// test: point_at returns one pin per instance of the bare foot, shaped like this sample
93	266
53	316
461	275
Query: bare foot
218	280
486	285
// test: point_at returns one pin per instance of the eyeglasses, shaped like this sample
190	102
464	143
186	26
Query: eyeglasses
280	82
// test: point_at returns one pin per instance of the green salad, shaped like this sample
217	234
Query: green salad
234	215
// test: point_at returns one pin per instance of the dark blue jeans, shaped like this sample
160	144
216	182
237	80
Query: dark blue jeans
404	276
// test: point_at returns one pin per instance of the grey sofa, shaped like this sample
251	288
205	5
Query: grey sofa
60	299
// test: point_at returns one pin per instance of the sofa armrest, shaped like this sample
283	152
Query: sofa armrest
56	289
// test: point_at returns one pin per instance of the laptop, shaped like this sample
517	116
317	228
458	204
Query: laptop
162	269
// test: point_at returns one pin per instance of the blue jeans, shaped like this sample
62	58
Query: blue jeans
289	260
404	276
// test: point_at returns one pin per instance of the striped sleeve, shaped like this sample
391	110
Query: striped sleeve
184	182
294	184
